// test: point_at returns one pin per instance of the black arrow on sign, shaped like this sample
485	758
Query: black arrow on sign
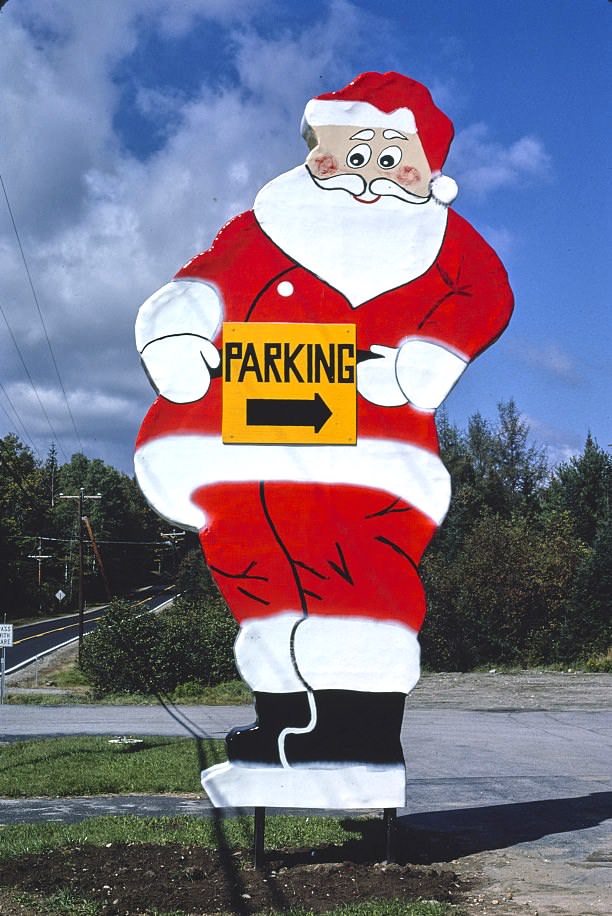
283	412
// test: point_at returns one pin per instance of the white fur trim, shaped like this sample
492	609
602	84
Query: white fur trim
444	189
357	653
170	468
231	785
426	372
179	307
360	114
263	653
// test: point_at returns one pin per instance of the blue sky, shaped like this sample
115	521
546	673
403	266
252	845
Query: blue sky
131	135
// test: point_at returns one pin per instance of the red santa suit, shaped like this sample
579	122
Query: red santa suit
334	531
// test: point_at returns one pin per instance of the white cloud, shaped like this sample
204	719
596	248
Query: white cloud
481	165
547	356
559	444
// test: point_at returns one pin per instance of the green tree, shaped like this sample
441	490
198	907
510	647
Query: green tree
493	470
24	513
503	597
198	642
513	575
589	627
583	486
124	527
194	581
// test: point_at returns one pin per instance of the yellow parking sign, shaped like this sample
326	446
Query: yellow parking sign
289	383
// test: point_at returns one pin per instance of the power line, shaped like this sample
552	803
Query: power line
17	418
133	543
31	381
40	314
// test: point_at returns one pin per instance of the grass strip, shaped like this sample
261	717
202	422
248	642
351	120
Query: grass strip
281	831
229	693
375	908
93	766
64	903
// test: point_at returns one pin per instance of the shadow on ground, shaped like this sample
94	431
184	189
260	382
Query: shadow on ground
442	836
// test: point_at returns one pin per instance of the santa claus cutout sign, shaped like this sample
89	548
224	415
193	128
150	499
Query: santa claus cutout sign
299	363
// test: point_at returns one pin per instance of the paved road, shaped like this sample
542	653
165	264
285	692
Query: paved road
495	755
440	743
32	640
36	639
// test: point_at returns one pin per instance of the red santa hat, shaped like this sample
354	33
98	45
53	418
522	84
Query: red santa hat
390	100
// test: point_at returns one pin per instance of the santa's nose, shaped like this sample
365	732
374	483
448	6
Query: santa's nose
367	173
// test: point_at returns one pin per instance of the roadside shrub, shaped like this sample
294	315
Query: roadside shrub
186	643
602	664
125	654
198	643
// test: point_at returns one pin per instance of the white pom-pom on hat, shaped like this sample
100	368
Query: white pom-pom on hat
444	189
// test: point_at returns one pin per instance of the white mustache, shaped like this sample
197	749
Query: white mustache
387	188
356	186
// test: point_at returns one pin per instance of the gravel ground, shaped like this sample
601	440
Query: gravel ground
536	690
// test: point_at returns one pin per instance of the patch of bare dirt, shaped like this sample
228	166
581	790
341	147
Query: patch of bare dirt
533	689
136	879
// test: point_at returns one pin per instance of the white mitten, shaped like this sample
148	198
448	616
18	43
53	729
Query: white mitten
179	366
174	329
377	379
427	371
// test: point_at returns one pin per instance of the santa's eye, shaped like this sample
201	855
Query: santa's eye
359	156
390	157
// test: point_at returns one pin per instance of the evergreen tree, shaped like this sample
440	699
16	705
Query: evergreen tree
583	486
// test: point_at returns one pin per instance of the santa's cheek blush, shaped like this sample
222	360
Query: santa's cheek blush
407	175
325	165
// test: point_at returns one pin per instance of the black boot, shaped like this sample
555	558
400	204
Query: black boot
258	742
352	727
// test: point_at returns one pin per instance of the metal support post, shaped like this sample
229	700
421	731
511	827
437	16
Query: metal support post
260	829
390	827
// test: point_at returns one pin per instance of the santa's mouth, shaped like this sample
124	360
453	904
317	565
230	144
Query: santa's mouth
367	200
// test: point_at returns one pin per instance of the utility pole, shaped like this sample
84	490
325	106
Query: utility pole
173	536
81	498
39	557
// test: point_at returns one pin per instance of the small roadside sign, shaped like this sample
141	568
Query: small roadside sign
291	383
6	634
60	595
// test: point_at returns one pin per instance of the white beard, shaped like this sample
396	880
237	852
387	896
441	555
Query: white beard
362	250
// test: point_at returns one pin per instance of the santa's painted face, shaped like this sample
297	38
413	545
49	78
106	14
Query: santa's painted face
370	163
